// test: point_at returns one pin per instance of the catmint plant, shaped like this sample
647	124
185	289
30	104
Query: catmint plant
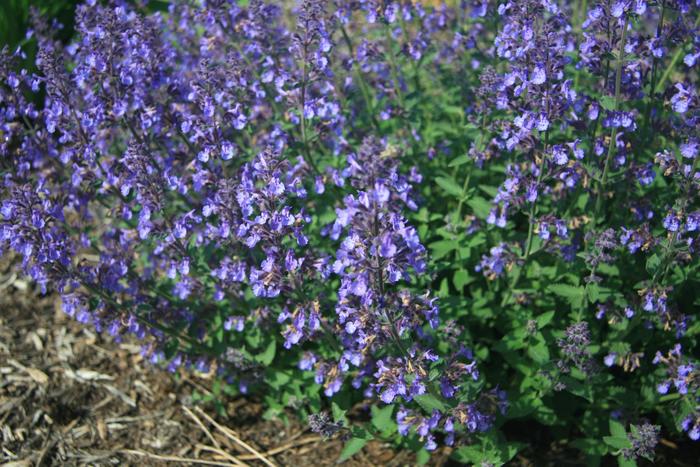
452	217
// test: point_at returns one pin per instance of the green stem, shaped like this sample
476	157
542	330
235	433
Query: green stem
667	260
652	90
613	134
582	12
167	330
302	105
465	185
532	213
530	233
672	65
393	67
360	79
611	150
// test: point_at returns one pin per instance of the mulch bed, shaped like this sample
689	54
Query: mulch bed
70	396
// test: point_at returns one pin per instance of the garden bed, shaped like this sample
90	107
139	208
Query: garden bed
69	396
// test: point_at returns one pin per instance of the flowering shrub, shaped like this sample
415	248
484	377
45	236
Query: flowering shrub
337	202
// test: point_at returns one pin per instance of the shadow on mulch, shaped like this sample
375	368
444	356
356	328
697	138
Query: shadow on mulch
69	396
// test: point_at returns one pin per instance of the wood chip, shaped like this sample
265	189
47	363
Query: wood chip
38	376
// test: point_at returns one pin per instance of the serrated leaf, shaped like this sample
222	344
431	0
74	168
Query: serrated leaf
492	191
338	413
578	388
444	290
361	433
544	319
429	403
593	292
492	449
653	263
573	294
476	240
539	352
480	206
617	429
351	448
450	186
441	248
461	278
509	342
459	160
382	419
607	102
509	451
268	355
468	454
276	379
522	408
617	442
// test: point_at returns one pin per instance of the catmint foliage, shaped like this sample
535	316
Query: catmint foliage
451	217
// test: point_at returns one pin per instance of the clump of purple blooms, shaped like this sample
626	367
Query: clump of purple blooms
366	197
644	439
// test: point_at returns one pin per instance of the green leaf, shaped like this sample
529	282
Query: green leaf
491	448
617	429
461	278
441	248
268	355
492	191
653	263
459	160
444	290
158	5
590	446
609	269
361	433
468	454
450	186
607	102
622	461
338	413
476	240
422	457
544	319
670	397
539	352
430	403
593	292
509	342
351	448
571	293
522	406
509	451
578	388
276	379
480	206
617	442
383	420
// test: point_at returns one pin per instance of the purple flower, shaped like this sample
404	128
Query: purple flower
610	359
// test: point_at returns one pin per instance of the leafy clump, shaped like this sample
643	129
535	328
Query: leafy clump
346	205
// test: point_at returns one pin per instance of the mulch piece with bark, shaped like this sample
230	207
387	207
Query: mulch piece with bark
70	396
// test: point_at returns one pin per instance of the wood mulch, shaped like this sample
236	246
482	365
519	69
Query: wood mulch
70	396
